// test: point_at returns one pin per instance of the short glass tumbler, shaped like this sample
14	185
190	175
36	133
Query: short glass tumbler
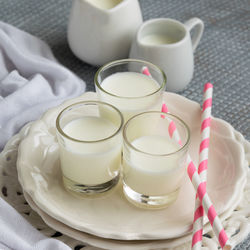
90	142
153	163
122	84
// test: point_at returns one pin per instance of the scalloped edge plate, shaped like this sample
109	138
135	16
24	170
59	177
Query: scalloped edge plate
119	244
40	176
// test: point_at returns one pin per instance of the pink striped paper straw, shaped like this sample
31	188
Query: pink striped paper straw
203	161
199	185
145	71
200	188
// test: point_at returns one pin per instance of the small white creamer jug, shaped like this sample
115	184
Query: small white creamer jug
168	44
100	31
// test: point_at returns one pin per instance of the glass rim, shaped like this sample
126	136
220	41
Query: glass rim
60	130
160	113
122	61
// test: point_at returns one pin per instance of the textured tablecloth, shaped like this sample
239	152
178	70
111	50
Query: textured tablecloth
222	57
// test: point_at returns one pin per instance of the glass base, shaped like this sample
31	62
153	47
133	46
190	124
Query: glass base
150	202
88	189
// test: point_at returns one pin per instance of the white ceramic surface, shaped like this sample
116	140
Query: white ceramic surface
176	59
97	35
39	175
111	244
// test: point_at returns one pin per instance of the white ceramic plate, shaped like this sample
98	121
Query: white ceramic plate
112	216
179	243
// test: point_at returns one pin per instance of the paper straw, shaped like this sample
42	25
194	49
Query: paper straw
145	71
199	185
203	163
200	188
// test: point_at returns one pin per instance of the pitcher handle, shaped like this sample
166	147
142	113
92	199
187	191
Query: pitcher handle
198	31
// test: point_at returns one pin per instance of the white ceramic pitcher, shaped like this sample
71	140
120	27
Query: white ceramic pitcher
168	44
100	31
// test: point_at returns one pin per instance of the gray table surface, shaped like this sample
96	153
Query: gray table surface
222	57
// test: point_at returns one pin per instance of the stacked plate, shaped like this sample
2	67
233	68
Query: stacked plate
110	221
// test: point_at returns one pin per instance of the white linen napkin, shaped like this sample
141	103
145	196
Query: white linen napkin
16	233
31	80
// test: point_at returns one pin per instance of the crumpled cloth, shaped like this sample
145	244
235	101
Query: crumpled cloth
31	81
16	233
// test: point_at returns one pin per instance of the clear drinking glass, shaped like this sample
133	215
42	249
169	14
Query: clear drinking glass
153	163
122	84
90	142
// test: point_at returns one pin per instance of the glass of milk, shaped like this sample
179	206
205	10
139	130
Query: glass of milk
153	163
122	84
90	142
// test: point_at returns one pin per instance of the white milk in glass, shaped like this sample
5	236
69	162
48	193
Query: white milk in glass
153	175
90	163
132	92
